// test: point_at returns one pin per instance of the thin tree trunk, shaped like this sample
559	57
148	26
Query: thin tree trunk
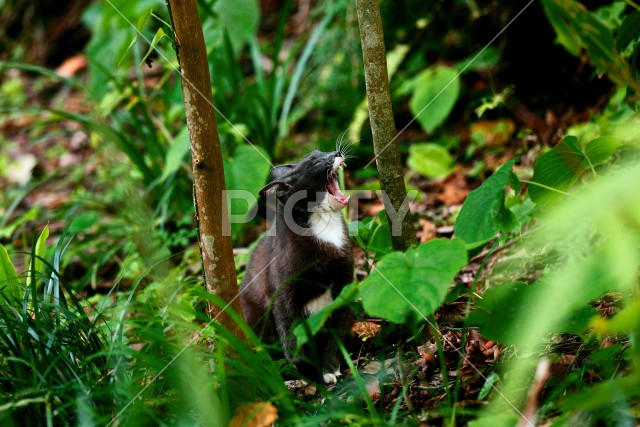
383	126
208	174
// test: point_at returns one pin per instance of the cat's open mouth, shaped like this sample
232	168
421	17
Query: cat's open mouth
333	188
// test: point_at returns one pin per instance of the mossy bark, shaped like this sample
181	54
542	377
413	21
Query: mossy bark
206	158
383	127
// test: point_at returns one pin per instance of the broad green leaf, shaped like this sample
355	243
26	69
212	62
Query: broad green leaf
483	213
9	280
431	160
247	170
315	322
380	240
600	149
629	30
561	167
558	169
413	284
481	61
83	221
435	93
240	19
373	235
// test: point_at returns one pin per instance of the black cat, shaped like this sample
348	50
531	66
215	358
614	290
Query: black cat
303	262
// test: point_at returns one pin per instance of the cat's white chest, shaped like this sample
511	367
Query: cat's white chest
326	226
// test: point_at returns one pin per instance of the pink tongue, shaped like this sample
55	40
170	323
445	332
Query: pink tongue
335	192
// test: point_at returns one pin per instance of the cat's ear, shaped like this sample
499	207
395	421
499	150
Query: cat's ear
279	187
281	180
278	172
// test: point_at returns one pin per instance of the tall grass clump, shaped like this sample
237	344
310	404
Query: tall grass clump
52	359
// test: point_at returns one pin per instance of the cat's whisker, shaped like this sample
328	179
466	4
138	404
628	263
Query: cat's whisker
342	142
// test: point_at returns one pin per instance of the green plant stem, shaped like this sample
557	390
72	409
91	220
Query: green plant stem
546	187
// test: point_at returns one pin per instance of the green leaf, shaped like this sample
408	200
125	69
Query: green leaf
314	323
598	40
176	153
483	213
156	39
40	247
413	284
576	27
247	171
436	92
600	149
142	23
431	160
83	221
488	385
629	30
240	19
482	61
380	240
558	169
561	167
497	312
9	280
567	36
110	37
8	230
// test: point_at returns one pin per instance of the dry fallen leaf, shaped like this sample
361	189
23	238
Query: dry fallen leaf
72	65
454	190
254	414
429	231
365	330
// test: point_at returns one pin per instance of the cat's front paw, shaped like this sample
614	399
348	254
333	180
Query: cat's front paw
331	377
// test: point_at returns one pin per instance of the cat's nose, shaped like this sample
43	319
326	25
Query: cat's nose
338	154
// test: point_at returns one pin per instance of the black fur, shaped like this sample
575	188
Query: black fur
287	270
